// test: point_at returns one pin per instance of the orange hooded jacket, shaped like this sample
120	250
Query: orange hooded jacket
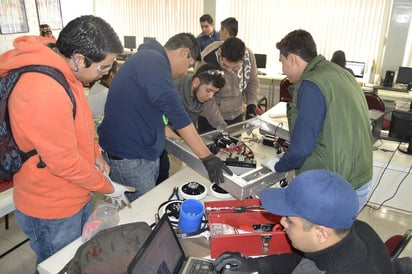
41	116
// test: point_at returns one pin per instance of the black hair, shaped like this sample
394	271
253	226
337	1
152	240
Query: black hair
91	36
210	74
185	40
207	18
231	25
299	42
44	29
233	49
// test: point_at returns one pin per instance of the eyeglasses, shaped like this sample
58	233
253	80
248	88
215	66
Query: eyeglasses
100	68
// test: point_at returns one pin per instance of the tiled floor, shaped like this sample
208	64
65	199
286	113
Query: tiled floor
22	260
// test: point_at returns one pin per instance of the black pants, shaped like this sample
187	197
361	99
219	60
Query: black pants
204	126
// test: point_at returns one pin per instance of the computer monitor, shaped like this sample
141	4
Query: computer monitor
145	39
260	60
130	42
358	68
404	76
401	129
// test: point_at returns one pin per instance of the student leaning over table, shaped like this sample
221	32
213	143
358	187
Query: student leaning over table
328	116
53	203
133	133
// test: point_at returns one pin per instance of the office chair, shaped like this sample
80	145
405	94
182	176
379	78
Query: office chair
284	95
376	102
397	243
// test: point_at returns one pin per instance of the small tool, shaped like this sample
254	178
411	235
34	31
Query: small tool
175	193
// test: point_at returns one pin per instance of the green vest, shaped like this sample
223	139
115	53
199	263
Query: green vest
344	143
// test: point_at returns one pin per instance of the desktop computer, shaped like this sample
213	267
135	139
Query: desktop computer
388	81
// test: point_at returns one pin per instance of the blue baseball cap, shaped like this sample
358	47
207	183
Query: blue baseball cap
319	196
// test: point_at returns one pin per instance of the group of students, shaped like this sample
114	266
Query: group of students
326	112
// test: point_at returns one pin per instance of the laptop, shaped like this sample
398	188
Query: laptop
162	253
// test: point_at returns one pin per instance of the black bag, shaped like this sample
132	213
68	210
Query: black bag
110	250
11	157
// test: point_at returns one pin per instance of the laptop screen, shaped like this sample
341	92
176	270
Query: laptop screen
358	68
161	253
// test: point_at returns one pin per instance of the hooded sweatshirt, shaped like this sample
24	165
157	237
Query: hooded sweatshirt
41	117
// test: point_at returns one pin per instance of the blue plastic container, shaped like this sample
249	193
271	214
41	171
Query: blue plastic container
191	215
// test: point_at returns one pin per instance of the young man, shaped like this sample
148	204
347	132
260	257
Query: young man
242	84
194	91
319	210
133	132
199	88
53	202
327	110
209	34
98	95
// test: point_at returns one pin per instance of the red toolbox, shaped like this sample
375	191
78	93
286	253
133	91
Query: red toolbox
245	227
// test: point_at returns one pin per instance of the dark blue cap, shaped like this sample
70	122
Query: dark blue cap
319	196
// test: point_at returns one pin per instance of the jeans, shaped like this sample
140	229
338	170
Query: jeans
47	236
363	193
138	173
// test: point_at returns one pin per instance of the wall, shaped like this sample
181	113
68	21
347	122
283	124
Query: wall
397	48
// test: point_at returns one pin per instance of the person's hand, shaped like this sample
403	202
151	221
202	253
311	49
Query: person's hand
251	111
234	262
118	196
270	163
214	168
101	164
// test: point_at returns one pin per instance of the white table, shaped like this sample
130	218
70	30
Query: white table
142	209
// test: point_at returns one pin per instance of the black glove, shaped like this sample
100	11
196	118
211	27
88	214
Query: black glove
234	262
214	168
251	111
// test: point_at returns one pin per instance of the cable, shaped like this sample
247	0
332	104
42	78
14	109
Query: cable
380	177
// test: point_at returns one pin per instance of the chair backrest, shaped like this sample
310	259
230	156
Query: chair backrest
397	243
284	95
374	101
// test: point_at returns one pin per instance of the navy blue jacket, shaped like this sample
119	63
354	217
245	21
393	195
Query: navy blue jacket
141	92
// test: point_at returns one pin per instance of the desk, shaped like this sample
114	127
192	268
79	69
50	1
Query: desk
142	209
272	81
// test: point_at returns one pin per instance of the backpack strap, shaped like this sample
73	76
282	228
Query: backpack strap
61	79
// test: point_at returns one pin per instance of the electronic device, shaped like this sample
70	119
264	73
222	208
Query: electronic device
192	190
260	60
130	42
388	81
246	181
401	129
145	39
405	77
358	68
163	253
219	192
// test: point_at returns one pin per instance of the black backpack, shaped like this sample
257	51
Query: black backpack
11	157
